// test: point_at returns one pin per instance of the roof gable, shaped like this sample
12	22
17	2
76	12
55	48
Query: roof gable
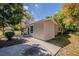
52	20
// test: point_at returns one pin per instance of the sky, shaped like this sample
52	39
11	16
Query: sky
41	10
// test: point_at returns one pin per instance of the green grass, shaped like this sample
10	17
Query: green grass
69	44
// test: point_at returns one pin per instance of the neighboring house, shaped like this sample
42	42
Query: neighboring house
44	29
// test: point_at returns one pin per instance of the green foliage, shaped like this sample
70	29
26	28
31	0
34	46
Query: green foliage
11	14
9	35
17	27
49	17
59	16
68	17
59	19
70	10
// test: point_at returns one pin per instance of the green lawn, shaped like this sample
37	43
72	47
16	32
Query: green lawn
69	44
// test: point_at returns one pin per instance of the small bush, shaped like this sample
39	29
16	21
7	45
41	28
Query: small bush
17	32
9	35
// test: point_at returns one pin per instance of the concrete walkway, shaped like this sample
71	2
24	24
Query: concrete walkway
50	47
17	50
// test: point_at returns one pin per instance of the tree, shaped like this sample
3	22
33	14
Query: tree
27	19
12	12
58	17
70	12
49	17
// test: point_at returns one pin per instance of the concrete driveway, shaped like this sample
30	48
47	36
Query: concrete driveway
17	50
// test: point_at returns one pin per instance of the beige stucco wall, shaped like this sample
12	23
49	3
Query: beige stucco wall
45	30
38	31
49	31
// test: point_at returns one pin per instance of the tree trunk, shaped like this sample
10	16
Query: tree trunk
20	27
3	28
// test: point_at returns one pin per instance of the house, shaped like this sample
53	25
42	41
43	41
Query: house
44	29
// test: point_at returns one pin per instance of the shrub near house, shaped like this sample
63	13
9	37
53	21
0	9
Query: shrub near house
9	35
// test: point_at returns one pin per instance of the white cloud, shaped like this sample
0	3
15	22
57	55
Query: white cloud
32	12
26	7
36	5
36	19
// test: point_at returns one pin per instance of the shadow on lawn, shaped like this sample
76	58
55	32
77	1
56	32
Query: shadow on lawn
60	40
5	43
